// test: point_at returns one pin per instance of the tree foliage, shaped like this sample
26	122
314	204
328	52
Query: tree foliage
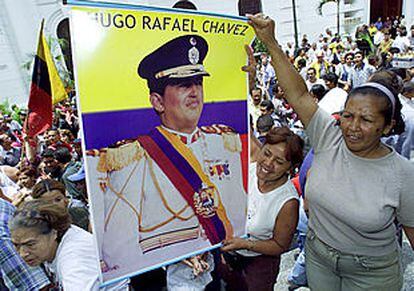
259	46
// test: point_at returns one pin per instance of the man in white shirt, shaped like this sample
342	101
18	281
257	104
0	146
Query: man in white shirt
268	75
334	100
343	70
291	49
320	42
401	41
312	80
255	99
312	53
378	37
361	70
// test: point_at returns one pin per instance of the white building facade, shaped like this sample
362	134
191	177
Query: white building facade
352	13
20	21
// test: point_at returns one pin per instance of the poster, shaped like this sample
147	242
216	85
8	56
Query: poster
163	103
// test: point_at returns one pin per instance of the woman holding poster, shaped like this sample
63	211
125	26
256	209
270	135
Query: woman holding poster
272	214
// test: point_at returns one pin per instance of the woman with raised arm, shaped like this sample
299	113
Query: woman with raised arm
357	185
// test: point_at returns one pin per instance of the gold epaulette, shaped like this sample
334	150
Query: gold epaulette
116	158
217	129
230	137
92	153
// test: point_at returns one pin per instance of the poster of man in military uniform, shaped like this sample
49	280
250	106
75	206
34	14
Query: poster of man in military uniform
165	126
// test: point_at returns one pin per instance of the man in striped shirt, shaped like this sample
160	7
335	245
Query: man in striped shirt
14	273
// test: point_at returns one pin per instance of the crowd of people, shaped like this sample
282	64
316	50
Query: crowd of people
332	66
46	170
339	102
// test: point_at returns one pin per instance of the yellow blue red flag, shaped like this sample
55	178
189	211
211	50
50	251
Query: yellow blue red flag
46	89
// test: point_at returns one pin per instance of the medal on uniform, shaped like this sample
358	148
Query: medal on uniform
206	201
187	175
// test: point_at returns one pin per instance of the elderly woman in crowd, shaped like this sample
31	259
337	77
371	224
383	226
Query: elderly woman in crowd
357	185
42	233
272	211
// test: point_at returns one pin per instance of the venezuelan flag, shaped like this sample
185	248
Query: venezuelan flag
46	89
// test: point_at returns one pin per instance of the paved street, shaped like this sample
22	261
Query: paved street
285	266
408	266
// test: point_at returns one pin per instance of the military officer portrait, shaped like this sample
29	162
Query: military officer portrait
177	190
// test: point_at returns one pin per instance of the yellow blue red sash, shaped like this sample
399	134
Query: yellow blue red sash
185	172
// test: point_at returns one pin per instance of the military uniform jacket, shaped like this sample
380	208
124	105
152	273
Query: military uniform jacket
141	218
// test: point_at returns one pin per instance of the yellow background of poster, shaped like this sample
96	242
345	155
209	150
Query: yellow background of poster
108	58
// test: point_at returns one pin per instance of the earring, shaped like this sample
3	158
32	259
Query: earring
55	233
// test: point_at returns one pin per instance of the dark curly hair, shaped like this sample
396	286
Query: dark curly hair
42	216
47	185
